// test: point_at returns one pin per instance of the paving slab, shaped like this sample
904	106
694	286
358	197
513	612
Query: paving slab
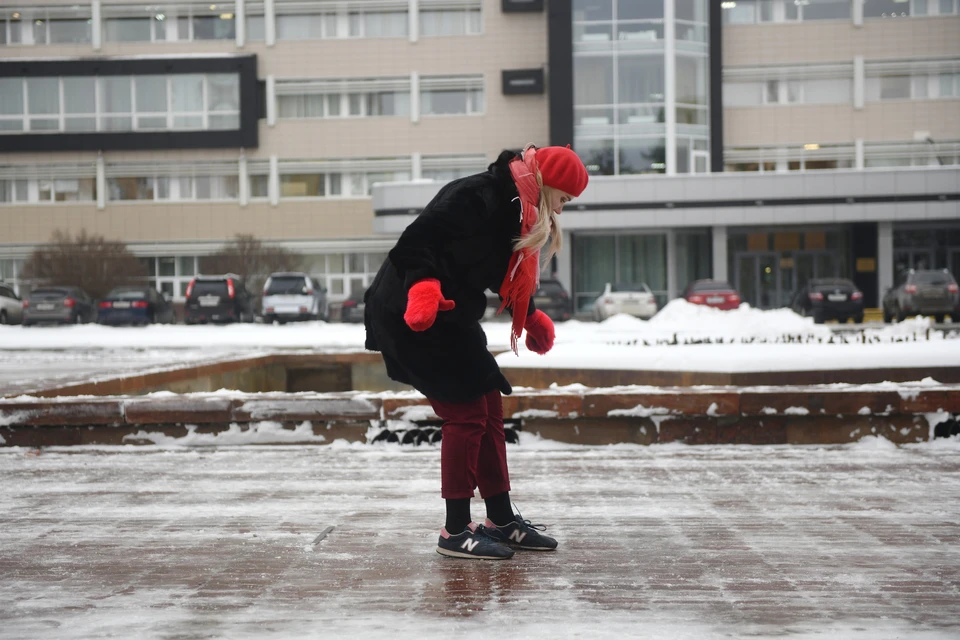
669	541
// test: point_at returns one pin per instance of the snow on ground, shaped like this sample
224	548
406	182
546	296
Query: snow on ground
752	340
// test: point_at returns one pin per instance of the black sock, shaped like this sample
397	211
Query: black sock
498	509
458	515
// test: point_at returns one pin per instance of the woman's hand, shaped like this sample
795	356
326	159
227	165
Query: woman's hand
424	299
540	332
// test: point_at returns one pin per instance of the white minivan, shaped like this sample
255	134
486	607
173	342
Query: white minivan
292	296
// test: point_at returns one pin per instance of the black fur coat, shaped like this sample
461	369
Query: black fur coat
463	238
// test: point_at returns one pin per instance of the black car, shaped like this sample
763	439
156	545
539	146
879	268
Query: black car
352	308
58	305
135	305
923	292
218	299
553	300
829	299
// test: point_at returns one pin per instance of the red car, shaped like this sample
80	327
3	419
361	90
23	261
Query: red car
712	293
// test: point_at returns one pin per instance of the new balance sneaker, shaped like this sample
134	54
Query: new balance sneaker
521	534
474	543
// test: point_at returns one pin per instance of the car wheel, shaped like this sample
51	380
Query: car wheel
887	317
858	319
939	318
901	316
817	318
3	317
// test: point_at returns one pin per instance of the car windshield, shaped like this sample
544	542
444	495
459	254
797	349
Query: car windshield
209	288
712	285
128	294
629	286
286	285
931	277
48	294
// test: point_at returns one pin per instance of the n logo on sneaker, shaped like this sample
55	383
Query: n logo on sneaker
470	544
517	536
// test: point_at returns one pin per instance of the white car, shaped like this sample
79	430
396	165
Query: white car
11	307
633	299
288	297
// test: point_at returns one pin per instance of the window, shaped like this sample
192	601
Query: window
54	25
13	191
378	24
449	22
174	188
449	95
373	103
762	11
826	91
126	103
160	23
309	26
303	185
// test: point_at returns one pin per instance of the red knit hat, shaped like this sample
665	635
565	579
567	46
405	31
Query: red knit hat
562	169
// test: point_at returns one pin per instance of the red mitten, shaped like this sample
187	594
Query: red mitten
424	299
540	332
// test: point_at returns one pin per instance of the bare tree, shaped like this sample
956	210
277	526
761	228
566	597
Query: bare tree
90	262
250	259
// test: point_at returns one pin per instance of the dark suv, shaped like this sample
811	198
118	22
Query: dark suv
923	293
553	300
218	299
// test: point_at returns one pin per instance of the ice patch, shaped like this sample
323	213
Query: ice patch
13	417
864	411
796	411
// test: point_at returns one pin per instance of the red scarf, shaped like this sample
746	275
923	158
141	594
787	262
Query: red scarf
523	273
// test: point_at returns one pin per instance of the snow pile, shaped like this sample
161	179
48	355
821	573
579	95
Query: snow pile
700	321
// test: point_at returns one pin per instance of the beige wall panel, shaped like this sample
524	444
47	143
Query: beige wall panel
877	122
828	41
320	219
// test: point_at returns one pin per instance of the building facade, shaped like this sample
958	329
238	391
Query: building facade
174	126
761	141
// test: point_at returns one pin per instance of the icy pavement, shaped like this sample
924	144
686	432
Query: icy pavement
860	541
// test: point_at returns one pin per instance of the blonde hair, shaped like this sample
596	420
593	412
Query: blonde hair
546	229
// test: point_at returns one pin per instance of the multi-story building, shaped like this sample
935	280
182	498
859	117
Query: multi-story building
174	126
827	133
760	141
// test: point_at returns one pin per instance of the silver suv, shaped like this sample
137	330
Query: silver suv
293	296
11	308
925	292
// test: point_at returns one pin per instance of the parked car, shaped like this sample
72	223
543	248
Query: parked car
58	305
293	296
718	294
11	307
553	300
218	299
135	305
923	292
635	299
829	299
352	308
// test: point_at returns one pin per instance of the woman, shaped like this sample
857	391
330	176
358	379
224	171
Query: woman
423	314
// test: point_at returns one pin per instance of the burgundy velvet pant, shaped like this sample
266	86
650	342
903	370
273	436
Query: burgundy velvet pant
473	451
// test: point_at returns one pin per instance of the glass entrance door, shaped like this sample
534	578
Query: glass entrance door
758	279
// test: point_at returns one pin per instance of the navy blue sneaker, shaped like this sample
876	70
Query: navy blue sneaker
521	534
474	543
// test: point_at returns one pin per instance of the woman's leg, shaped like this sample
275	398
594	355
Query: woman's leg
493	476
464	428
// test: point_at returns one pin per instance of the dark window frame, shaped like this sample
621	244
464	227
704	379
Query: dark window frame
244	137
